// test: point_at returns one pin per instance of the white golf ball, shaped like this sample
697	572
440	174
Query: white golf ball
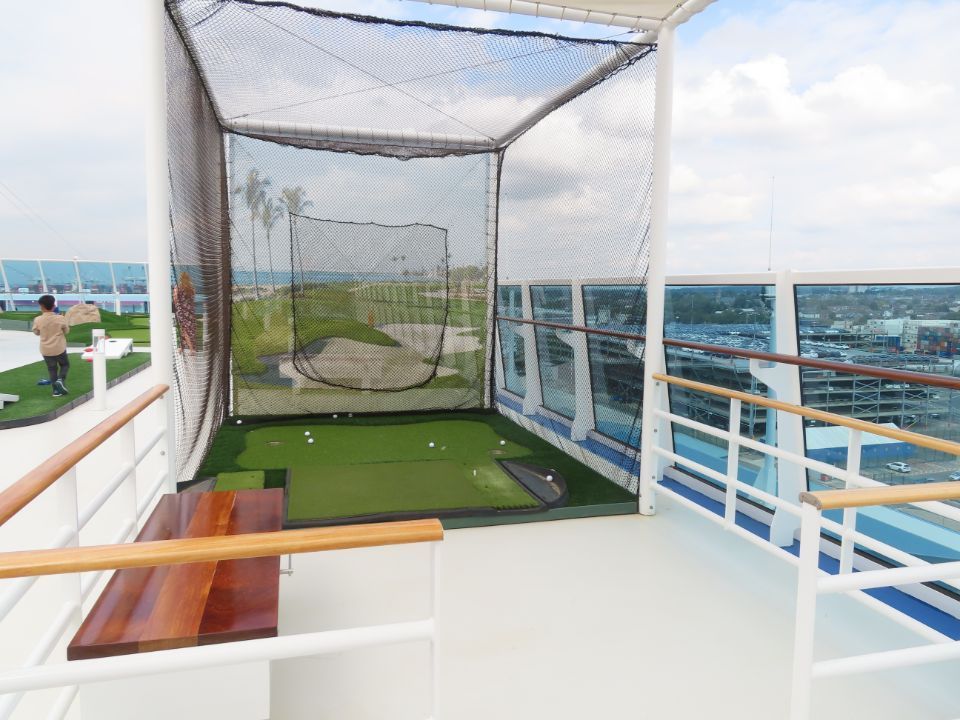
503	442
549	478
334	417
239	422
310	441
349	414
431	444
307	433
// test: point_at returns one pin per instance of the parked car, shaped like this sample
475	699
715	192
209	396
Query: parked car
954	476
900	467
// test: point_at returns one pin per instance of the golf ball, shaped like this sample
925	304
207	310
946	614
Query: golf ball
431	444
549	478
239	422
310	441
349	414
307	433
503	442
334	417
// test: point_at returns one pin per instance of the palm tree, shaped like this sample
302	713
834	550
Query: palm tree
270	212
293	198
254	192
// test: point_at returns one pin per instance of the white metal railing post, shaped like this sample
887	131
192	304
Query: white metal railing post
584	419
434	659
655	396
847	544
805	628
99	369
733	464
493	183
128	488
533	398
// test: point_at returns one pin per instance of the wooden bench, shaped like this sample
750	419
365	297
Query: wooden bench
171	606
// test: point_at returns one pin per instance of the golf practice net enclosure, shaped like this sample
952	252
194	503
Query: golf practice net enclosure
345	192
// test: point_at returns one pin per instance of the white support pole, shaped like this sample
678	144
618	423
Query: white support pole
653	395
805	628
158	222
99	369
533	398
584	418
854	444
733	464
434	657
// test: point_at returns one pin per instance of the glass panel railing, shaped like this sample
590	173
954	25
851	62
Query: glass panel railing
553	303
512	358
616	365
737	316
131	278
61	276
906	327
23	276
96	278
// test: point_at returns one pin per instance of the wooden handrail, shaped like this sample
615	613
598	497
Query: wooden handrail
913	438
909	376
215	548
23	491
861	497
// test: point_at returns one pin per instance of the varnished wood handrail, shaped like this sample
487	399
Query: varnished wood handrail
893	495
23	491
906	436
910	376
215	548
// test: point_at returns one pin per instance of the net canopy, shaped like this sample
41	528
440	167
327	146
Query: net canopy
346	191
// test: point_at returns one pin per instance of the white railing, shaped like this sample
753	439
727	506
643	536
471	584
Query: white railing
812	580
81	570
59	475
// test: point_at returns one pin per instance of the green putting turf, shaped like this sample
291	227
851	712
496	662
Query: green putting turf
243	480
391	456
362	469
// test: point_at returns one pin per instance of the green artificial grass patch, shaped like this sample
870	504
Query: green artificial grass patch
244	480
38	399
331	491
585	486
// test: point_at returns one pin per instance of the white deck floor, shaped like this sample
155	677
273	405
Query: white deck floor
623	617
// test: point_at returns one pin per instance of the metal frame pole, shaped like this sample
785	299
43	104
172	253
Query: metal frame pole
158	219
653	393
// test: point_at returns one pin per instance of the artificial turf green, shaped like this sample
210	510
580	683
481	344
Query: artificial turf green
361	469
38	399
242	480
585	486
331	491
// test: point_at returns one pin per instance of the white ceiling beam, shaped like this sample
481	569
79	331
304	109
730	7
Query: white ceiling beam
358	135
555	12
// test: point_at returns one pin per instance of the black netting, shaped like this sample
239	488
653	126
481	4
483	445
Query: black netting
328	312
369	303
200	256
273	64
381	178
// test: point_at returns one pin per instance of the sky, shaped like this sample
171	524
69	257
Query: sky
847	110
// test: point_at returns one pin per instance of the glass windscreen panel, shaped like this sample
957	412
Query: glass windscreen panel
23	276
512	358
131	278
735	316
61	276
553	303
901	327
96	278
616	364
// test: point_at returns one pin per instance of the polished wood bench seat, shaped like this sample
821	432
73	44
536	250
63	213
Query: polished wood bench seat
171	606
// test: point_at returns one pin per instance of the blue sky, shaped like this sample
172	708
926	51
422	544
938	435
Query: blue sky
852	105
